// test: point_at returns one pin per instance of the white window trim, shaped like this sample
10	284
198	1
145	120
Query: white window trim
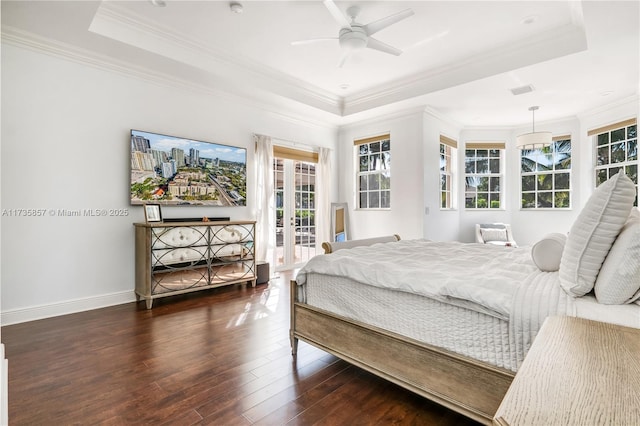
356	159
552	173
501	146
452	177
594	133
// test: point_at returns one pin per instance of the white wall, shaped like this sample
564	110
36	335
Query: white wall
405	216
65	145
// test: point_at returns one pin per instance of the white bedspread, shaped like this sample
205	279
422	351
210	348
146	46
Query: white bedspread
481	277
539	297
501	282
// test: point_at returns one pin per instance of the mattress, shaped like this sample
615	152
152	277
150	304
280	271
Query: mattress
477	335
484	302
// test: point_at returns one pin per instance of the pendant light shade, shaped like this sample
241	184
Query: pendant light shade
534	139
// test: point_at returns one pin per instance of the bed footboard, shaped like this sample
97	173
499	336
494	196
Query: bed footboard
472	388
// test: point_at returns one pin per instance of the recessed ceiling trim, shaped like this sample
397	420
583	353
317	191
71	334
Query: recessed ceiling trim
282	110
550	45
113	21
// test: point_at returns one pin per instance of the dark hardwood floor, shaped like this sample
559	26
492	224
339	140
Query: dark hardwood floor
218	357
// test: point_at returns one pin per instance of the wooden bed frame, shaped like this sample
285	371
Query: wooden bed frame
470	387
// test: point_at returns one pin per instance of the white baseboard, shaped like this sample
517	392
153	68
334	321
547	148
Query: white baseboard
63	308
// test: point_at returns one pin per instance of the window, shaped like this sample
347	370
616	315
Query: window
545	175
374	172
483	175
616	149
448	148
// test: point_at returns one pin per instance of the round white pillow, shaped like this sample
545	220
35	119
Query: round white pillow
547	252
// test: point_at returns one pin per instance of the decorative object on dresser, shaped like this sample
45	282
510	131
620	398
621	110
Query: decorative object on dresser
181	257
152	213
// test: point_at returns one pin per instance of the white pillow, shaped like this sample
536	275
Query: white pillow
547	252
619	278
493	234
593	233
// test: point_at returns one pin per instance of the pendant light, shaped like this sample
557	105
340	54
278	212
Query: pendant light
534	139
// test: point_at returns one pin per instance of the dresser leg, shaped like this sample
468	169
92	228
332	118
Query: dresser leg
149	303
294	345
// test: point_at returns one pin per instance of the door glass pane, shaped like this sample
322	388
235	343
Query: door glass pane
294	186
305	229
278	186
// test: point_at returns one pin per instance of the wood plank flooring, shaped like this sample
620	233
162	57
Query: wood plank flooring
218	357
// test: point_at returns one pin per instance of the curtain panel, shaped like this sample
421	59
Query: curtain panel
265	200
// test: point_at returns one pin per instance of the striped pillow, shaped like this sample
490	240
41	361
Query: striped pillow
594	232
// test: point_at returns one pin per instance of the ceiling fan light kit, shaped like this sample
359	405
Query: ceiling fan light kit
534	140
354	36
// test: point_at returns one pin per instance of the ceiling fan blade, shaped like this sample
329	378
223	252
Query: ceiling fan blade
372	43
381	24
345	55
313	40
337	14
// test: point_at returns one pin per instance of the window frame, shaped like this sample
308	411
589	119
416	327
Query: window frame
553	173
486	146
627	164
383	172
447	153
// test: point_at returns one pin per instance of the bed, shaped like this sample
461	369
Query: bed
453	321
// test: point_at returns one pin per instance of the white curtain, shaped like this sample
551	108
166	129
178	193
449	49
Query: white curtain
265	201
323	202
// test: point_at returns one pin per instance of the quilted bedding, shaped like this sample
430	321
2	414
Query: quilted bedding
481	301
476	276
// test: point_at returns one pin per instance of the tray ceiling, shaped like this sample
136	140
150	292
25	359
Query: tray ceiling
460	58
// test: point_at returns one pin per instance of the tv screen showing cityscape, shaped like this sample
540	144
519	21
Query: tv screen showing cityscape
174	171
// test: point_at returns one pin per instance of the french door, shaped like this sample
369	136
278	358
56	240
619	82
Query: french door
294	186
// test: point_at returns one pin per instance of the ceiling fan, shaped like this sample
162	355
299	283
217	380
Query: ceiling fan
356	36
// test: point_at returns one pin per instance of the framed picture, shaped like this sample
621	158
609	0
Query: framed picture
152	213
339	222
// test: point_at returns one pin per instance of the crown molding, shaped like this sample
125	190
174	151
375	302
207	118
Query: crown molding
384	116
65	51
552	44
632	101
432	112
113	21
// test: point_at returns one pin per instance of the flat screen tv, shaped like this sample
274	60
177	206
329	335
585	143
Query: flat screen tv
174	171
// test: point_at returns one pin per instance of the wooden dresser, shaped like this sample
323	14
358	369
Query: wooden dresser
175	258
577	372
